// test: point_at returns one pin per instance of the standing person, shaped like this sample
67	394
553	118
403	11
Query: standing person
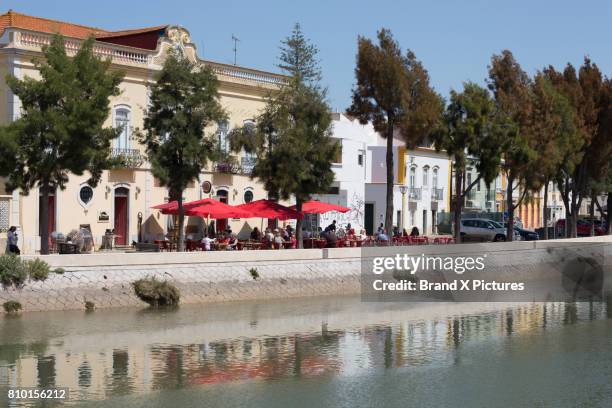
206	243
11	241
331	227
381	229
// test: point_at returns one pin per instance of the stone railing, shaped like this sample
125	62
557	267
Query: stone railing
246	74
118	54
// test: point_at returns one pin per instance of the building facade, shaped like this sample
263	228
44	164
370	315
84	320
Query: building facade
123	199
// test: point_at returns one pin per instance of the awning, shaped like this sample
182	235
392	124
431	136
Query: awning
270	209
206	208
319	207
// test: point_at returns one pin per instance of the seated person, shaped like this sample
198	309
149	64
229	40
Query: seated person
278	239
404	233
256	234
233	242
382	237
289	230
414	232
305	233
362	235
331	238
381	229
269	236
207	242
341	233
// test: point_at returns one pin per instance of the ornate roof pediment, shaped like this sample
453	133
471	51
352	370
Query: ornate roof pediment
175	38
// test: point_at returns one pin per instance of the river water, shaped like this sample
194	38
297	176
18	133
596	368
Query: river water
321	352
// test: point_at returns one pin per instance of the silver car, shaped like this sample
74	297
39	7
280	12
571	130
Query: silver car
479	229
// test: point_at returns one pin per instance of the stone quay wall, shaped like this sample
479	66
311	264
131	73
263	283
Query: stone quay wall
202	277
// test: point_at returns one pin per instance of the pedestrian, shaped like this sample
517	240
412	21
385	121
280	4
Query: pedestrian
11	241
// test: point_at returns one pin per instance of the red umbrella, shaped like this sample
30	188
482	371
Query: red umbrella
270	209
207	208
319	207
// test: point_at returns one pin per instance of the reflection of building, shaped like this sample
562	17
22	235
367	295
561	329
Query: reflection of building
130	189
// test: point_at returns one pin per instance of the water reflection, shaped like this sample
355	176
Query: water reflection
138	361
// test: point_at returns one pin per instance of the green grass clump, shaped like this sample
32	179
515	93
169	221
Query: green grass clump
156	292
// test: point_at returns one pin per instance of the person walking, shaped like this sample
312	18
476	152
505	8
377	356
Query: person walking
12	240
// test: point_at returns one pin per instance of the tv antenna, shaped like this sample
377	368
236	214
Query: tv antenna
235	40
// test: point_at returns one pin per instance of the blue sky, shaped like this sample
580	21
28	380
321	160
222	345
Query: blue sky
454	39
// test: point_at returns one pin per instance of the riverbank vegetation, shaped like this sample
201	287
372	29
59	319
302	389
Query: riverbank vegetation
156	292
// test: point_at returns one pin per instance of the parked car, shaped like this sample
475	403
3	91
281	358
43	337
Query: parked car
583	228
524	234
478	229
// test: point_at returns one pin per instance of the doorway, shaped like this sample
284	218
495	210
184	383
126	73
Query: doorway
424	222
221	224
369	218
121	223
434	222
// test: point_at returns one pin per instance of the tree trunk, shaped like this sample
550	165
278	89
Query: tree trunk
181	233
609	214
44	233
572	219
457	206
510	210
592	214
298	224
390	181
544	212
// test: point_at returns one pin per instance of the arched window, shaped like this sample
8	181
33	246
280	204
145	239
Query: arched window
425	176
85	195
123	122
248	196
434	178
413	176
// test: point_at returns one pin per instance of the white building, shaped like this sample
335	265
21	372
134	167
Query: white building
352	172
421	186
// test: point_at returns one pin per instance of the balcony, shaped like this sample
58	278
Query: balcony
127	158
414	193
230	165
437	194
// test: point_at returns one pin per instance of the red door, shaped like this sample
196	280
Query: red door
121	216
222	223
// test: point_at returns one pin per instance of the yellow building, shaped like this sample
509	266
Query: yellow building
125	195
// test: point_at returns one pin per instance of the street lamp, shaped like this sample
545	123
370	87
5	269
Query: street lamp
403	189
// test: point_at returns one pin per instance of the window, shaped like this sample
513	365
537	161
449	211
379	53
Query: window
469	180
478	185
85	195
434	180
412	177
425	176
248	196
4	214
360	159
122	121
222	132
338	158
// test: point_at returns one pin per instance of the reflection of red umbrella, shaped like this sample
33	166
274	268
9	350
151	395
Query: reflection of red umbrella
270	209
319	207
207	208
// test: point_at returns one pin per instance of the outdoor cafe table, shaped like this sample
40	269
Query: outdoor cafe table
250	245
220	246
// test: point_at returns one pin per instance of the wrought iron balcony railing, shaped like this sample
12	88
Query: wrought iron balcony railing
437	194
414	193
128	158
232	166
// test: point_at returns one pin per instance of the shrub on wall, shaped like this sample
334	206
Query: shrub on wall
37	269
156	292
11	306
12	271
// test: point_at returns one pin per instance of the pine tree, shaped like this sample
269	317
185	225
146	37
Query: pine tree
471	128
184	101
292	136
393	93
60	130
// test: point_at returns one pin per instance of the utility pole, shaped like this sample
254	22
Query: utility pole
235	40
